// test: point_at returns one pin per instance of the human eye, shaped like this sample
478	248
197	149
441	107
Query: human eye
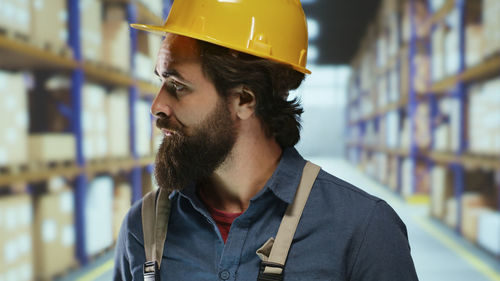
175	88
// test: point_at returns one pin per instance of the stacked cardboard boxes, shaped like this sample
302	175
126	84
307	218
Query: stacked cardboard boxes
91	29
441	188
116	46
99	215
473	205
155	6
121	204
52	147
491	22
447	132
119	120
14	121
16	251
54	231
438	52
49	22
484	118
474	44
15	16
452	44
143	128
489	231
94	122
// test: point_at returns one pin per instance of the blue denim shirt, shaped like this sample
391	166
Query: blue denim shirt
344	234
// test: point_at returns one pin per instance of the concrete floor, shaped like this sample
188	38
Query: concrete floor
438	252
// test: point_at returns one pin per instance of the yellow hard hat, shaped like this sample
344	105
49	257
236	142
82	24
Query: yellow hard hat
271	29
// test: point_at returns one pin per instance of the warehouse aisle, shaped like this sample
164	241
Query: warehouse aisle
438	252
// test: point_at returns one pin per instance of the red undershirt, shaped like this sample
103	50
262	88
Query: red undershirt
221	218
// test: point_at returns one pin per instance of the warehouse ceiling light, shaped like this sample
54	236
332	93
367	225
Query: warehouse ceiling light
312	29
305	2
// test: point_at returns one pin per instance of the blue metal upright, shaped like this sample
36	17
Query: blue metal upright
412	94
136	172
460	92
77	80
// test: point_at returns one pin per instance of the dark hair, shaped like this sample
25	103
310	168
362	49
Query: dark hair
270	82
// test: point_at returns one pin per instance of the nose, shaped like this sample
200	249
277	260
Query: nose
161	106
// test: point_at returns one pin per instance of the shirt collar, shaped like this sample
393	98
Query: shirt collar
286	178
283	183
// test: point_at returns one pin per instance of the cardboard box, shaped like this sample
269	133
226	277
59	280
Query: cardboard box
52	147
16	256
451	215
438	53
143	128
91	29
54	231
407	180
116	44
488	234
15	16
99	215
14	121
121	204
95	121
470	222
119	123
473	44
49	22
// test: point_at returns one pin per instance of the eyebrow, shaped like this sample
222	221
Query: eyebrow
168	73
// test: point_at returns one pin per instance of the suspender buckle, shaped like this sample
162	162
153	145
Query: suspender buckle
270	276
150	271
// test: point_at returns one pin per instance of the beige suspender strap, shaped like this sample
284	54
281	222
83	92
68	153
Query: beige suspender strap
162	216
290	220
148	222
155	215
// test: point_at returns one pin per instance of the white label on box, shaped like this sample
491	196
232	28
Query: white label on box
1	218
24	244
38	4
10	219
66	202
11	275
10	103
26	272
10	252
63	35
11	135
10	11
63	16
23	17
49	231
68	235
25	216
56	183
4	157
22	119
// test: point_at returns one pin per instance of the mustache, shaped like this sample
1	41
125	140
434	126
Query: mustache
166	123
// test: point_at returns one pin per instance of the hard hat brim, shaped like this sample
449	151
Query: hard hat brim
161	30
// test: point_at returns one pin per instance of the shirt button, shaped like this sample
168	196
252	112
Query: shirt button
224	275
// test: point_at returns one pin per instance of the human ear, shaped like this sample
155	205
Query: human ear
243	102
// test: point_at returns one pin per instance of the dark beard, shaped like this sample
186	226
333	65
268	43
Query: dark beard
183	159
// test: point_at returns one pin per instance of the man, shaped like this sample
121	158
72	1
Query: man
228	160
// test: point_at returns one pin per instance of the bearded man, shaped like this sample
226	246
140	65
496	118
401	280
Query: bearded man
228	162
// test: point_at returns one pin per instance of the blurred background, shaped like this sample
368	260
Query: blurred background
403	101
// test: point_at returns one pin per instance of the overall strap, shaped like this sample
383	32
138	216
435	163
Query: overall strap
155	215
272	269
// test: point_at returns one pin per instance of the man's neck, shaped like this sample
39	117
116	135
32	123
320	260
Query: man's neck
250	165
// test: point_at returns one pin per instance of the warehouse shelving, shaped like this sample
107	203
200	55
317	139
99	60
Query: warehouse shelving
458	161
18	53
